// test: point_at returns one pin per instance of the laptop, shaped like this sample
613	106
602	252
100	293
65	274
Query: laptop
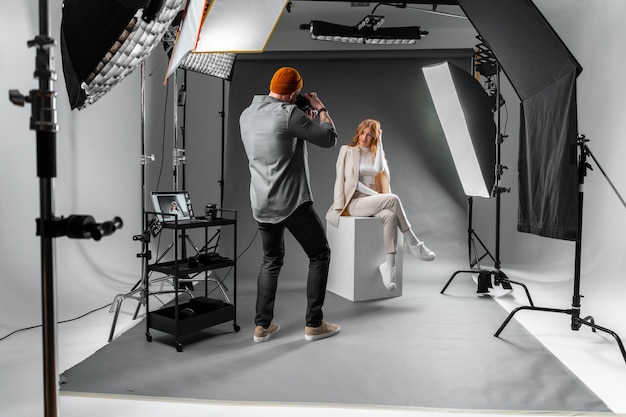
171	205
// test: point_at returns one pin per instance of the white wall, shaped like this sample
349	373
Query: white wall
593	32
99	172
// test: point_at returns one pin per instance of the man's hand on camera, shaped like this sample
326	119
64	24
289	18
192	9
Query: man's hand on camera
315	102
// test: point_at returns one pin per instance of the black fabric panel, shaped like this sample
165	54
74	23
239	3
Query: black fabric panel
133	4
548	172
543	73
75	93
530	52
90	28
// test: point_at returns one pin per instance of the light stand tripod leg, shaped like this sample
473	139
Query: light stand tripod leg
595	327
472	237
452	277
530	300
512	313
499	278
476	260
576	323
471	245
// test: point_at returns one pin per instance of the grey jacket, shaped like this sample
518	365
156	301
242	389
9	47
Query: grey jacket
274	134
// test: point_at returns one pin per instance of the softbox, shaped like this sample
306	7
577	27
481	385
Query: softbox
543	73
103	41
224	27
464	111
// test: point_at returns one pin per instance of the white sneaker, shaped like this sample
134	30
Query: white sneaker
420	251
388	274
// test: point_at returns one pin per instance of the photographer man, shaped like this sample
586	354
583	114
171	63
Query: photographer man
274	132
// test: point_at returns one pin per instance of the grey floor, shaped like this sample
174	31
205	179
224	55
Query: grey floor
423	350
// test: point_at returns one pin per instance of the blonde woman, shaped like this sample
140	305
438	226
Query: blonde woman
362	188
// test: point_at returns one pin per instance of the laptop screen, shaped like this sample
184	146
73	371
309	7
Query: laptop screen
172	203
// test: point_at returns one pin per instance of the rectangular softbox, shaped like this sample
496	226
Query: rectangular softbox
543	73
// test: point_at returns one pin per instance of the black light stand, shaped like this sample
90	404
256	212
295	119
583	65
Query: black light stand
136	291
574	312
178	154
485	275
182	102
44	122
222	116
473	257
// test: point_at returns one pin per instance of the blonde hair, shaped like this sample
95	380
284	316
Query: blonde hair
374	126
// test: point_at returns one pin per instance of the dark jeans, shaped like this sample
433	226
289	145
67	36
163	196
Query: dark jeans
305	225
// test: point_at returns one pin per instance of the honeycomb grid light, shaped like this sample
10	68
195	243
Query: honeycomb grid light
218	65
212	32
136	40
214	64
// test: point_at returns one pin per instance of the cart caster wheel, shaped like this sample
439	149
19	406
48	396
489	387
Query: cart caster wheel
179	347
236	327
148	337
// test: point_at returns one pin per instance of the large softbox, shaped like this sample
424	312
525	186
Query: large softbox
103	41
543	73
464	111
224	27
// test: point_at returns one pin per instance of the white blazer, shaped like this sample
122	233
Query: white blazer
346	180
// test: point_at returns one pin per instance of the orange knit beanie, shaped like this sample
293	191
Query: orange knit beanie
286	81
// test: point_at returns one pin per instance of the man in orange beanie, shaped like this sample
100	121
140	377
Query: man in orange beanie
274	132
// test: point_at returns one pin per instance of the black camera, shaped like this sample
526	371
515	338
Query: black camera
302	103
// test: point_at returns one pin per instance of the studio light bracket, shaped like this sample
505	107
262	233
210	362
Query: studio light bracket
77	226
146	159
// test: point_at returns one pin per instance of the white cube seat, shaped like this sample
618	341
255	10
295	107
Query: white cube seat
357	250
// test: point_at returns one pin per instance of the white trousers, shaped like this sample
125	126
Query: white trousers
387	207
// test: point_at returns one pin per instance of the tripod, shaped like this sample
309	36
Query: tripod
472	237
574	312
485	275
44	122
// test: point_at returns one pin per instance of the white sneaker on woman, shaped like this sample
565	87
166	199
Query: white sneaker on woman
420	251
388	274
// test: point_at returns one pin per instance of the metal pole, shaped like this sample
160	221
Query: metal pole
499	167
44	122
46	170
143	146
222	115
582	170
182	102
